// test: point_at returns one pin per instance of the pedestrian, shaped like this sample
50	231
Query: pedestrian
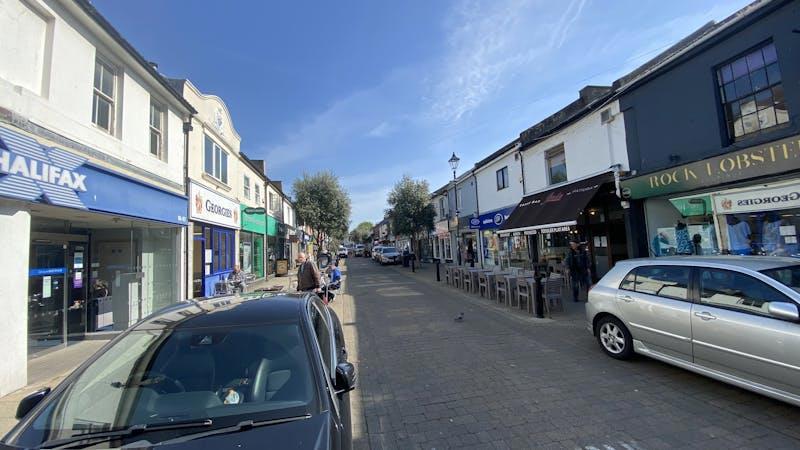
237	279
335	275
577	266
308	276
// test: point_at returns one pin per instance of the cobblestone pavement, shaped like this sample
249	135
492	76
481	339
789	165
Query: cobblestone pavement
502	380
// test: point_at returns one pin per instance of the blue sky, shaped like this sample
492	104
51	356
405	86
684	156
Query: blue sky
375	89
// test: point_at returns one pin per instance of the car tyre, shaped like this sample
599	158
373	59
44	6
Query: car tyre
614	338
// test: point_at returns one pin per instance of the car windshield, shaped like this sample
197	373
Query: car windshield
184	375
789	275
389	249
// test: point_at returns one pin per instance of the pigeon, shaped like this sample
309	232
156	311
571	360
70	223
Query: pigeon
460	317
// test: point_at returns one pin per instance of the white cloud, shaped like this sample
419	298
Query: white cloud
570	16
383	129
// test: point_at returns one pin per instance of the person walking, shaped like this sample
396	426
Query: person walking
577	265
308	275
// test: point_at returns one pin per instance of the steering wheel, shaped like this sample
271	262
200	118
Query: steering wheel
159	382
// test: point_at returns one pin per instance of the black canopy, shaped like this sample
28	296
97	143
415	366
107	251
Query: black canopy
558	206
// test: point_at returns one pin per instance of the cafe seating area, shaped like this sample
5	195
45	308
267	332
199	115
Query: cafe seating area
512	287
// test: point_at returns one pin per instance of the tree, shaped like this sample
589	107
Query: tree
361	233
322	203
410	210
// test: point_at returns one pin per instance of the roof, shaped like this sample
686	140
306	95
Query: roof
228	310
95	15
756	263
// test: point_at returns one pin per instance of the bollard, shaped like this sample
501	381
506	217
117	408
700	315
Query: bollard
438	278
538	303
413	258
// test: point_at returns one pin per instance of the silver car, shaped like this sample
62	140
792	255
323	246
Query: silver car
732	318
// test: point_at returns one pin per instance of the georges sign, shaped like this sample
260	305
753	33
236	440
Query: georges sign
33	171
764	199
206	205
776	157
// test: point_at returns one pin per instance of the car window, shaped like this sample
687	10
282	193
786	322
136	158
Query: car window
735	290
788	276
322	332
227	374
663	281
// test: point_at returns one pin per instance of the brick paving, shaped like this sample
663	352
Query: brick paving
501	379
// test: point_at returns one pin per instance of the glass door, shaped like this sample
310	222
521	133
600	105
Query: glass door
47	296
76	306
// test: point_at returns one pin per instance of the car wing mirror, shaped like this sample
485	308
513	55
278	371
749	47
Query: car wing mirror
30	401
345	377
783	310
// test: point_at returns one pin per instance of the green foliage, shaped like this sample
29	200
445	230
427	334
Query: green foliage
361	233
410	210
322	203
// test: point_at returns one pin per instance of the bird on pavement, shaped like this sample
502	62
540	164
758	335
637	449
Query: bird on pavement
460	317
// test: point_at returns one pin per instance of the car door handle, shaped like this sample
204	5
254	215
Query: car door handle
626	298
705	315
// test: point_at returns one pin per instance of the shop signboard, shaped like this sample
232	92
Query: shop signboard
255	222
699	205
442	229
210	207
767	159
272	226
491	219
34	172
763	199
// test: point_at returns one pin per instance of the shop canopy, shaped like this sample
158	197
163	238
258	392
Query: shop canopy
556	207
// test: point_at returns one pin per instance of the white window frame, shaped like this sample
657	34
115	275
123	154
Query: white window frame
448	250
217	153
98	93
257	188
549	156
246	181
160	153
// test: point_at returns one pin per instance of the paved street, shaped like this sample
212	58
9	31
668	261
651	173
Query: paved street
502	380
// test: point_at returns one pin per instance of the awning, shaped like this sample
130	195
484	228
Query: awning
556	207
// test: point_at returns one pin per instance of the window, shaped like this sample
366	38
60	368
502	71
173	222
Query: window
222	246
734	290
459	198
663	281
216	160
103	102
448	254
246	187
323	335
556	166
258	194
752	93
156	131
502	178
442	207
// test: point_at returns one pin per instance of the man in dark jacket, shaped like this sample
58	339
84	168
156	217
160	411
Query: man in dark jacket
577	265
308	276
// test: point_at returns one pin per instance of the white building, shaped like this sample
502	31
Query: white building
215	186
92	192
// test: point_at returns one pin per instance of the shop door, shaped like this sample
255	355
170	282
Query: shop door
76	308
47	296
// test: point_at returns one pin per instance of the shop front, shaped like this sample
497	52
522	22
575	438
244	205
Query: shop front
486	225
251	243
215	222
743	203
468	241
543	224
442	244
104	249
272	243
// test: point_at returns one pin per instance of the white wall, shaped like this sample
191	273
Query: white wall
589	147
15	241
51	84
489	198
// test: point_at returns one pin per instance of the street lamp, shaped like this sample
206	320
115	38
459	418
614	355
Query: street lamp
453	161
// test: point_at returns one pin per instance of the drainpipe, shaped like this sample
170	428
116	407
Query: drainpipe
478	234
187	127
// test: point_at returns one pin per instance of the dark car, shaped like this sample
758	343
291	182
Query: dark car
223	372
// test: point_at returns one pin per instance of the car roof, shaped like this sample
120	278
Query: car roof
756	263
229	310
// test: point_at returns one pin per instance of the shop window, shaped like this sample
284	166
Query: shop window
663	281
103	104
502	178
246	182
772	233
516	252
556	166
737	291
690	230
157	131
216	160
752	93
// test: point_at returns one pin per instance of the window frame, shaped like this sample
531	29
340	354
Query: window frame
549	156
217	153
98	93
689	282
246	186
257	189
499	174
160	153
698	293
728	123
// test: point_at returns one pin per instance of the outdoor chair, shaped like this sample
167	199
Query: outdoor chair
467	281
483	285
501	289
553	294
457	277
448	274
525	293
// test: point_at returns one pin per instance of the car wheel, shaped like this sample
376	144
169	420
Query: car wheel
614	338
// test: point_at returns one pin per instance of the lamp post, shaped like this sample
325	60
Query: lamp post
453	161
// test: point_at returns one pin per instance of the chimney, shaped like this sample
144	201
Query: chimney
590	93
